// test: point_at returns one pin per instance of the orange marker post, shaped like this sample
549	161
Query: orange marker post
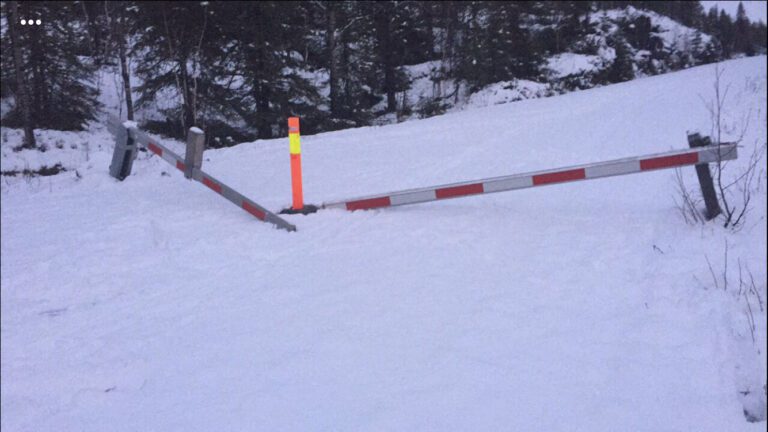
295	149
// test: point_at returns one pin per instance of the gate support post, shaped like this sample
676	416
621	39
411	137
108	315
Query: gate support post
705	178
125	153
193	159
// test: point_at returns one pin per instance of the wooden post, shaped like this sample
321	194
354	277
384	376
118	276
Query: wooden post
193	159
705	178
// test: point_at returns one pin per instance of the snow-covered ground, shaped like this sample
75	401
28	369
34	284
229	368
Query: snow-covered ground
153	304
564	64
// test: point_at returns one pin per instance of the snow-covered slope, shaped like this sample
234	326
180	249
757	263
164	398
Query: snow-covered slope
584	64
153	304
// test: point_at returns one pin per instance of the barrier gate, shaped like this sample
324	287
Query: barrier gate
701	153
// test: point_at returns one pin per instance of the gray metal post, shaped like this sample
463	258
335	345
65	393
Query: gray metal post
193	159
705	178
124	154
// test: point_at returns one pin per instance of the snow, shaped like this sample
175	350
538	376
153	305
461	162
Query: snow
428	88
674	35
153	304
564	64
196	130
507	91
69	149
422	89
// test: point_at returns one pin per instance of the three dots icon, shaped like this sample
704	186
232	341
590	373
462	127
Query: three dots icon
31	22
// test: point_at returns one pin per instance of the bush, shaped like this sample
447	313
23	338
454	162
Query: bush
432	107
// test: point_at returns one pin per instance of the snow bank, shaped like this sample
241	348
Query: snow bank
564	64
674	35
507	91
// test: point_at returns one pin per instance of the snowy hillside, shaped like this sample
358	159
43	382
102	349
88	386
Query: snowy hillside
585	65
153	304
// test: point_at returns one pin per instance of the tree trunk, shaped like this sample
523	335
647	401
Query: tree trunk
385	41
187	115
389	83
22	91
40	95
333	67
124	68
263	123
429	23
262	95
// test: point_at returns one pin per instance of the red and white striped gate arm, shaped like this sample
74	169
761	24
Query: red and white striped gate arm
673	159
217	186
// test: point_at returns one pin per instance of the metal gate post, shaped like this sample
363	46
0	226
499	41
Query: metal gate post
125	153
705	177
193	158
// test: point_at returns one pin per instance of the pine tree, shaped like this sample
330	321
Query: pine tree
502	37
710	52
267	51
759	38
638	33
622	68
703	52
22	88
170	42
350	62
470	55
508	45
710	22
97	44
564	21
118	17
742	41
690	13
447	15
234	61
59	81
494	45
391	20
726	32
242	67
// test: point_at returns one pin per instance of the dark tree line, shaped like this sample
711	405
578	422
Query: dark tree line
238	69
45	68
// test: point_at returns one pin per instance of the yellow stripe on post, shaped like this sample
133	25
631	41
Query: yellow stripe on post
294	141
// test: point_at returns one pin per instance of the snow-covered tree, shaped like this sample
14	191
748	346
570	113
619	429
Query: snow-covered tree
57	74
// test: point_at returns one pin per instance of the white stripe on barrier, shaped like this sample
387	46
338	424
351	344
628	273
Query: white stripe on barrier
490	186
412	197
614	169
713	155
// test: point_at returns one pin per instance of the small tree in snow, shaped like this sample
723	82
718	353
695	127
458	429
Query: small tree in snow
622	68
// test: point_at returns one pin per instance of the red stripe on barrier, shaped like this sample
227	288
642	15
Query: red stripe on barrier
558	177
669	161
211	184
180	166
155	149
450	192
254	211
368	203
